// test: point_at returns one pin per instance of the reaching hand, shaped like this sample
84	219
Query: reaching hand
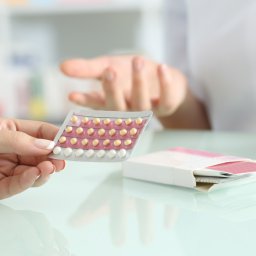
24	149
129	83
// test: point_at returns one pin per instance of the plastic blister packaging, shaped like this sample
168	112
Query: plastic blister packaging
99	136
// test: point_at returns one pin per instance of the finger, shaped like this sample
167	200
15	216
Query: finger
46	168
35	160
94	99
140	98
23	144
166	103
12	185
59	164
80	68
37	129
113	92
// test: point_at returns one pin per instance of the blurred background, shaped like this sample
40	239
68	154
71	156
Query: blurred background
36	35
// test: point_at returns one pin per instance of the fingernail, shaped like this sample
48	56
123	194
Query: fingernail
44	144
53	169
138	64
109	76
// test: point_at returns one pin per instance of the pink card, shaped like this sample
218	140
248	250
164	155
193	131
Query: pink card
240	167
229	164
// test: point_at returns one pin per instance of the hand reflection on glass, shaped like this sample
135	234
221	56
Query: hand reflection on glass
109	199
118	198
29	233
236	203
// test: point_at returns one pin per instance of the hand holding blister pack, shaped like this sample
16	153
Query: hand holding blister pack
99	136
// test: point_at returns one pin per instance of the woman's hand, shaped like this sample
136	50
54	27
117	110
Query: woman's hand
135	83
129	83
24	149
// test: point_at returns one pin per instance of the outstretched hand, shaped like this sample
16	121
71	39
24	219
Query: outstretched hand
129	83
24	150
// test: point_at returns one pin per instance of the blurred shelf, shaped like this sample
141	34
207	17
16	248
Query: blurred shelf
100	7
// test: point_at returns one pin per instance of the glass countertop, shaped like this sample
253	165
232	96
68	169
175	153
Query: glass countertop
90	209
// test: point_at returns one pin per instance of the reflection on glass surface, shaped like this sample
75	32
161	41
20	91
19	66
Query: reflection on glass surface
217	223
30	234
186	212
109	199
236	203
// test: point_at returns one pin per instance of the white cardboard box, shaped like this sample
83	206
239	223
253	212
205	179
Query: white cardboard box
186	168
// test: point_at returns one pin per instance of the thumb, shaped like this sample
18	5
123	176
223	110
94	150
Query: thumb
21	143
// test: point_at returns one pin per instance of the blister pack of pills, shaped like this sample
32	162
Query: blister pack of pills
99	136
